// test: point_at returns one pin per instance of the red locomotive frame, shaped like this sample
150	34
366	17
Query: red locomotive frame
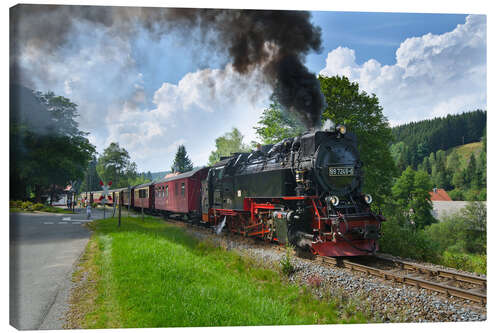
328	240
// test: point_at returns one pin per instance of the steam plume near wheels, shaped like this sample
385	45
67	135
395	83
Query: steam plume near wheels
275	43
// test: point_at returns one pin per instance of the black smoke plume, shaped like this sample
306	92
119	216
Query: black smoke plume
274	42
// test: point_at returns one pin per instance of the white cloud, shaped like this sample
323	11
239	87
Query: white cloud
434	75
102	74
200	107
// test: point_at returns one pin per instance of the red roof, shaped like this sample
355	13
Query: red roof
438	194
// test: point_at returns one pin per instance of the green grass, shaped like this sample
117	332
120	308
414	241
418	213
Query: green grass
465	151
465	261
150	274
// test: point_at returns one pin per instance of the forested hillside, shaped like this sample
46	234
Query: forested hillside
416	140
451	150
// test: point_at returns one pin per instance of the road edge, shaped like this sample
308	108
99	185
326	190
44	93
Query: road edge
56	313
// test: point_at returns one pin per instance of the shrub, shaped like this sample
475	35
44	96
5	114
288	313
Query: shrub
464	261
286	262
482	195
402	239
456	194
446	233
471	195
38	206
27	205
15	203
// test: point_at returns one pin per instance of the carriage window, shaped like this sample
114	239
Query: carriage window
166	190
182	189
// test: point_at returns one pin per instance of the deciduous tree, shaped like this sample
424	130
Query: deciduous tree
229	143
115	165
47	148
412	193
362	114
276	124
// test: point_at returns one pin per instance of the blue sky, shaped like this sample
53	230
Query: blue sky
376	35
372	35
151	94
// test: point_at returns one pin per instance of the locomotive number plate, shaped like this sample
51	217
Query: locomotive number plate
332	171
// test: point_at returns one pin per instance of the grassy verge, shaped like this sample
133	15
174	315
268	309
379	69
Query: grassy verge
150	274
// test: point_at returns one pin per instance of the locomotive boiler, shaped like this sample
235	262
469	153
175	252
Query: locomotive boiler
305	191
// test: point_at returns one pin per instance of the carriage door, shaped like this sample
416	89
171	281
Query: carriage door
205	204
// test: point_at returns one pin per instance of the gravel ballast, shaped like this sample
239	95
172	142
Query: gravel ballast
384	300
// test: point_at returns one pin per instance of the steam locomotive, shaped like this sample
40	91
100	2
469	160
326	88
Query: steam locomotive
304	191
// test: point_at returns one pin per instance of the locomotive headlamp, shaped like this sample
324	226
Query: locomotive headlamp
368	198
341	129
334	200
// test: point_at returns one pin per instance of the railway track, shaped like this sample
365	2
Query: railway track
465	286
449	283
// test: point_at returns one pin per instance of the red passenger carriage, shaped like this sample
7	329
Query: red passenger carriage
180	194
144	196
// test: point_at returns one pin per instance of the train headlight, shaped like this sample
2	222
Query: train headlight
334	200
368	198
341	129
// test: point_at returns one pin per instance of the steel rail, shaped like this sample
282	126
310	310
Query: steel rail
471	295
456	276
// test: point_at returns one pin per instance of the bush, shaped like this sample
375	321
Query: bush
286	262
38	206
482	195
456	194
402	239
15	203
471	195
446	233
27	205
468	262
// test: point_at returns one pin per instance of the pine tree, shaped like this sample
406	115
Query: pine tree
471	173
182	163
453	162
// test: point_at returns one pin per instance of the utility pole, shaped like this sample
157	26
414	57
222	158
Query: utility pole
129	202
120	200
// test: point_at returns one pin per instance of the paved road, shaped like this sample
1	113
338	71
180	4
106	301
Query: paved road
43	250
